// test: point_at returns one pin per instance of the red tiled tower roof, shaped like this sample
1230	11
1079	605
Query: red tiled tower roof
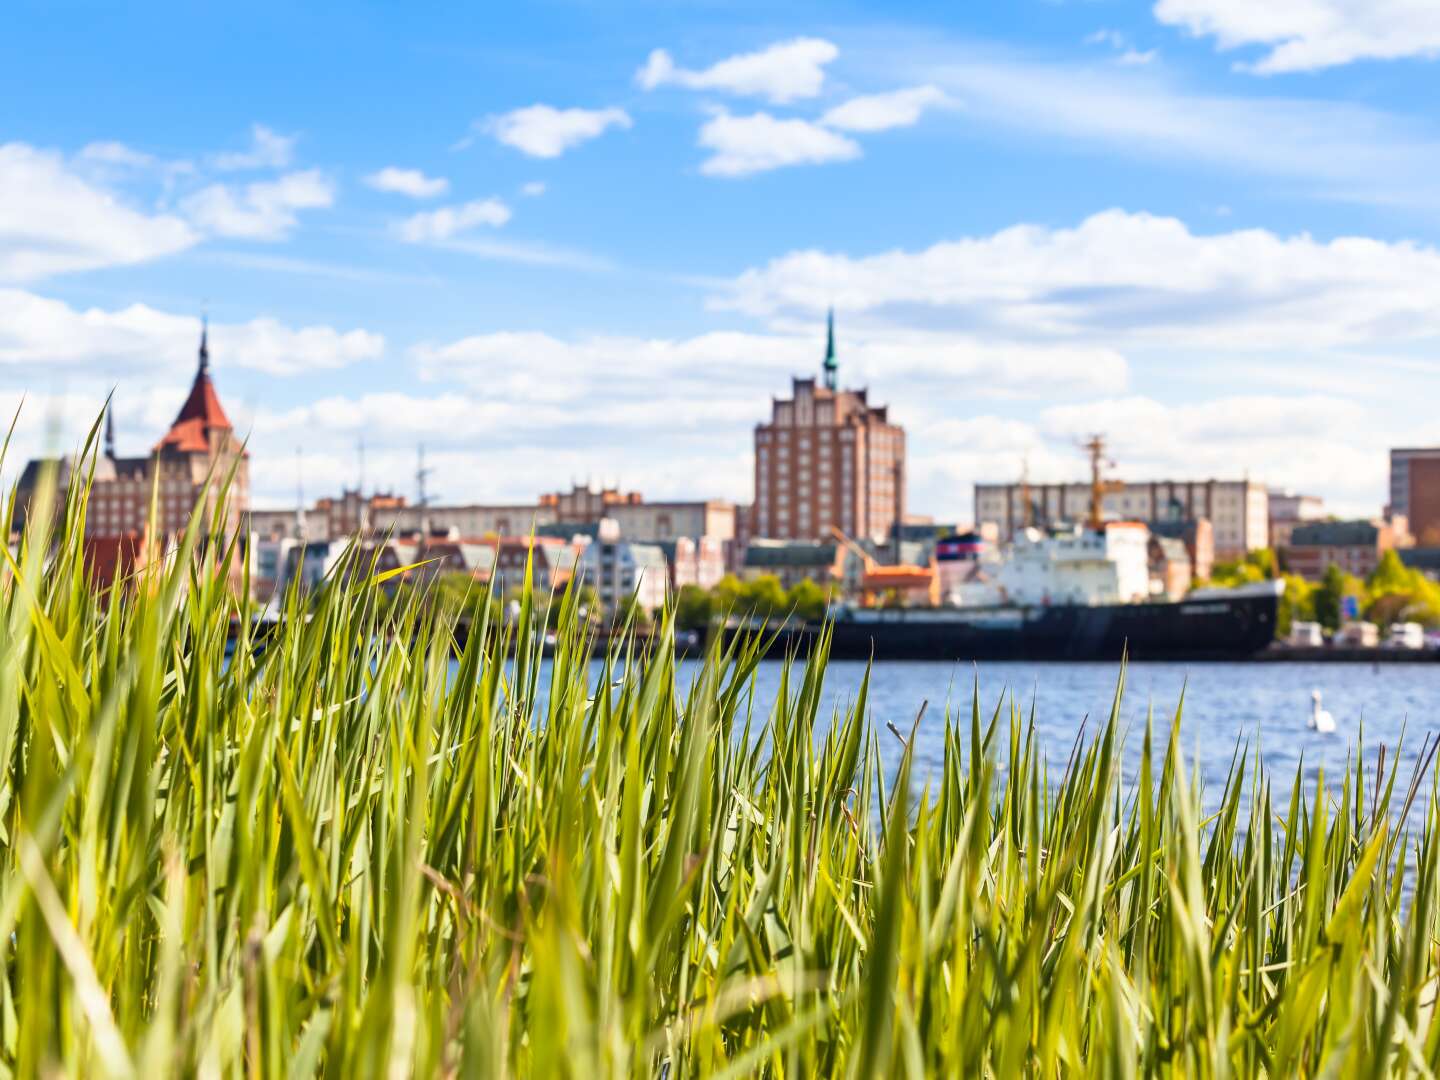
201	413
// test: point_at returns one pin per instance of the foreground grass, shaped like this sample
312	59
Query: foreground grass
328	857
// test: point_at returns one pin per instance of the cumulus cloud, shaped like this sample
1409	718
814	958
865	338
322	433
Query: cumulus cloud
411	182
781	73
742	145
558	408
450	221
263	210
1307	35
544	131
38	334
1125	276
1225	437
880	112
53	221
267	150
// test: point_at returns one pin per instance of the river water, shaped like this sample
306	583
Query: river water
1266	705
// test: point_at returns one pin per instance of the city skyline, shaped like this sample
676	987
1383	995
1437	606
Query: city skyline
548	243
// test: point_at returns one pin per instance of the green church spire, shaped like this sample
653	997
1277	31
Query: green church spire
831	367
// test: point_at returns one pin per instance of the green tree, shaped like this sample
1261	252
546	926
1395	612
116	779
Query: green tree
1398	593
1329	596
1297	604
629	608
694	607
808	600
765	597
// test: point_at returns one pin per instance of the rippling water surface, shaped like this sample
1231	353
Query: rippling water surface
1264	704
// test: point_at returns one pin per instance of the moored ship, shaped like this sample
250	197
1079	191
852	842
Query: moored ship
1064	592
1227	624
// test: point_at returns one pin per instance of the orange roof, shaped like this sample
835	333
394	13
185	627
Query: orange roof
898	577
190	433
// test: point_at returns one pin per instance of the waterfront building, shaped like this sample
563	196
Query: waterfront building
1170	570
328	518
827	459
1238	510
1198	536
473	520
1354	546
1288	509
693	561
1415	491
794	561
192	460
619	569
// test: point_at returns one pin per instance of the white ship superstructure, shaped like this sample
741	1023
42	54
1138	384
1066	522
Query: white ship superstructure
1077	565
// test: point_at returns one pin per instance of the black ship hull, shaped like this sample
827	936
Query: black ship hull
1212	628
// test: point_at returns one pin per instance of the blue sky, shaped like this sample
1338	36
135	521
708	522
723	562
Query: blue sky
576	241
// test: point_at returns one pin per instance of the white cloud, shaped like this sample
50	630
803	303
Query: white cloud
268	150
1123	276
39	334
53	221
554	409
784	72
1137	58
536	368
544	131
533	189
1113	38
264	210
411	182
1127	54
449	221
1227	437
110	152
1329	149
880	112
744	145
1307	35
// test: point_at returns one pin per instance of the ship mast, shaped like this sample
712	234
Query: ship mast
1095	447
1026	509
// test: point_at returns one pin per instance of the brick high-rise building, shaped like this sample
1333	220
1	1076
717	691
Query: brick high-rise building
827	459
1415	492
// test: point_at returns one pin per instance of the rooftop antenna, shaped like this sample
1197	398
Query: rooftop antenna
1027	511
422	498
364	511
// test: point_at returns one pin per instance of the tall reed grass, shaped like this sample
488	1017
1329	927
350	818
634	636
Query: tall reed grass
349	854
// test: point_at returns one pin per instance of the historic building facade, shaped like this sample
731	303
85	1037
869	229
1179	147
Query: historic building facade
828	459
194	458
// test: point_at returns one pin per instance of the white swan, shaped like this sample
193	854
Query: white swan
1320	719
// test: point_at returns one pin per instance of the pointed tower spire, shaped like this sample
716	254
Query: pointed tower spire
110	430
204	342
831	367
